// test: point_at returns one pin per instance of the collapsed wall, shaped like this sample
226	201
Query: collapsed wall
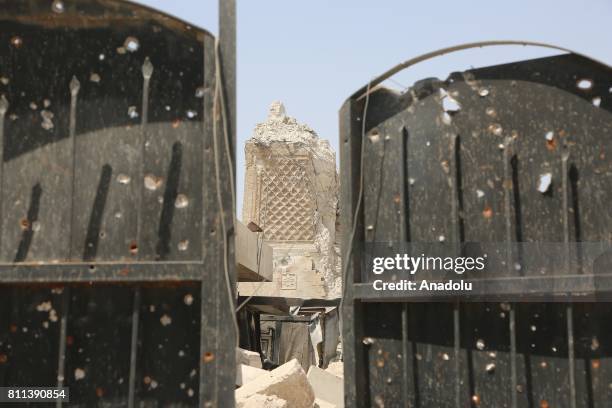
291	192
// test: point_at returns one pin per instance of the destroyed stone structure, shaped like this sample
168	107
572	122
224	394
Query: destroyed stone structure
291	193
288	252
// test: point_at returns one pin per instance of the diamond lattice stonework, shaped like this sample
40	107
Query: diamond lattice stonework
287	208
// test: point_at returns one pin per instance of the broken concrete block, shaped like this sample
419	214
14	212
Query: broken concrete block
287	382
336	368
245	374
261	401
323	404
246	357
327	387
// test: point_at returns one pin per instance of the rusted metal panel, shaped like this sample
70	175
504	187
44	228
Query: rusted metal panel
115	143
473	172
114	174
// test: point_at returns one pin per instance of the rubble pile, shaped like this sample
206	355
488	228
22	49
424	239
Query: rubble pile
288	385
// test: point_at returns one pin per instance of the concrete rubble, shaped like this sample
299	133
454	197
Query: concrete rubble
287	382
327	387
262	401
323	404
245	374
336	368
289	386
249	358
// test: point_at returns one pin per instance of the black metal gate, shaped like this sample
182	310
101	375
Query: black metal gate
116	204
523	157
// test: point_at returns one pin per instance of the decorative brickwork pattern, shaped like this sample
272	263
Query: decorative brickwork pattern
287	201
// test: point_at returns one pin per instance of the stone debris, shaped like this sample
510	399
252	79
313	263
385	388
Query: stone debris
245	374
323	404
262	401
287	382
336	368
282	128
289	386
247	357
327	387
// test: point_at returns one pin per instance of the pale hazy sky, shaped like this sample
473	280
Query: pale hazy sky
312	54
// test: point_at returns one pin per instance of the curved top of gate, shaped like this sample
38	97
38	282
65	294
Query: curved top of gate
90	14
456	48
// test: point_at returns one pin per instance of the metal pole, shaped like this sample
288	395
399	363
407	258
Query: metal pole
565	154
225	120
134	349
74	87
61	359
457	352
4	105
227	45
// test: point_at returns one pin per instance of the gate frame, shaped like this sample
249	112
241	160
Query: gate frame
215	271
356	118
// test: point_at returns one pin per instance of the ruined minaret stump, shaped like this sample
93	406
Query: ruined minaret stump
291	192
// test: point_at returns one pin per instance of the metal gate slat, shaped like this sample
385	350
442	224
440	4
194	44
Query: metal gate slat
513	356
406	360
4	105
134	347
565	154
457	355
147	72
74	88
63	335
61	366
209	293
